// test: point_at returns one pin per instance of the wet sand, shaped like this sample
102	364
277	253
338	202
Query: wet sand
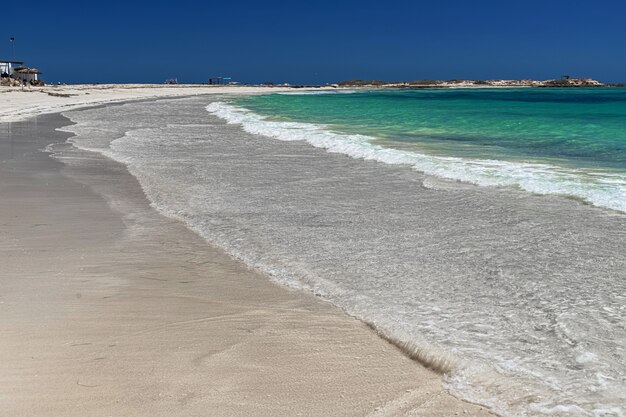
109	308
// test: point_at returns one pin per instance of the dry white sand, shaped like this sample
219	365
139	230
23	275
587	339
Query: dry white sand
20	103
109	309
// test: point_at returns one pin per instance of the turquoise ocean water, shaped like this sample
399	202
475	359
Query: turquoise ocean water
548	141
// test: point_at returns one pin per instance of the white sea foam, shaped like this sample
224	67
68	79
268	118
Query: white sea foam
601	189
520	296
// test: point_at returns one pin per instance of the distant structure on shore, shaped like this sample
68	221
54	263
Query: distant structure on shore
221	81
14	73
7	67
28	75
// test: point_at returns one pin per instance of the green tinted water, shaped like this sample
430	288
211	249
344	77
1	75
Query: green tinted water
573	126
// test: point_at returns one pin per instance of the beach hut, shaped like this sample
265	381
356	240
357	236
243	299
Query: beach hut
7	67
28	75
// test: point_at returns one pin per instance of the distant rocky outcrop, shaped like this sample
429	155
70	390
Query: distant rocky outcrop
10	82
573	82
16	82
569	82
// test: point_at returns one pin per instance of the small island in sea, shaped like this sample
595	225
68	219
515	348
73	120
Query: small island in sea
564	81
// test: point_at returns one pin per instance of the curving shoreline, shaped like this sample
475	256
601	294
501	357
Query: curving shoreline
20	104
111	308
444	263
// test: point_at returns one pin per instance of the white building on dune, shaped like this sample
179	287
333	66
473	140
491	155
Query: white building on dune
17	71
7	67
28	75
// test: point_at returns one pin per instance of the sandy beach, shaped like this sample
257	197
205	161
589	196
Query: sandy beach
110	309
21	103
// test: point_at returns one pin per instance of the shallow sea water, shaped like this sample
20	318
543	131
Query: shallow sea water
526	293
544	140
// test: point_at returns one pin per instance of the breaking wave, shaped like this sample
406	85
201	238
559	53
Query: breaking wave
601	189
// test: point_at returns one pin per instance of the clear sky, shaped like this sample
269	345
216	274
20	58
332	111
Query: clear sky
316	41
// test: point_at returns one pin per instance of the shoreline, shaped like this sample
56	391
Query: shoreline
109	262
21	104
249	195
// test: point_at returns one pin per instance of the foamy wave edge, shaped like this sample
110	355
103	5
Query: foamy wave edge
599	189
431	355
428	354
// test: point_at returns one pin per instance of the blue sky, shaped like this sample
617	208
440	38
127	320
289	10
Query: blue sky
316	41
